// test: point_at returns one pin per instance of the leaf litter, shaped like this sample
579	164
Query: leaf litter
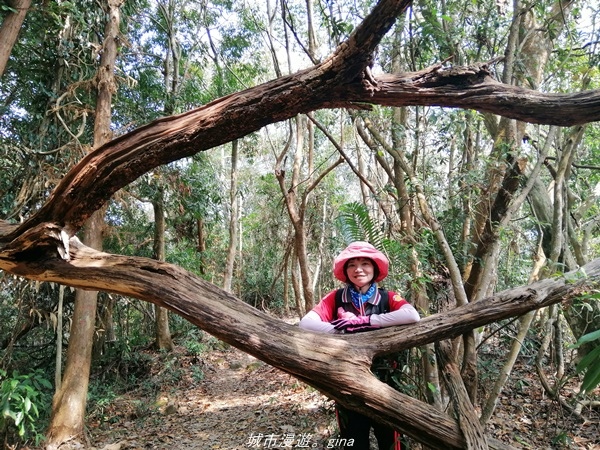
240	403
228	400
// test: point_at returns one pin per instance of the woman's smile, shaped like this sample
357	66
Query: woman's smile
360	271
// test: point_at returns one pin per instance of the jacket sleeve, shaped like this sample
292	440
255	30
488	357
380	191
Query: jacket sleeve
312	322
404	315
318	319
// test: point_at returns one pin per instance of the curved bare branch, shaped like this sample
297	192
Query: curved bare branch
119	162
305	355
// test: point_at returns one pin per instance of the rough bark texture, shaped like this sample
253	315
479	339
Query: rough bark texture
163	332
233	220
100	174
43	247
69	402
305	355
9	31
467	417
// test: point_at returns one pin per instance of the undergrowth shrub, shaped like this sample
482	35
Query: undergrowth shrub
22	397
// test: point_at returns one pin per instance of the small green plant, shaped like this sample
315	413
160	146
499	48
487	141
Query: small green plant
197	374
100	396
21	398
194	347
590	364
562	439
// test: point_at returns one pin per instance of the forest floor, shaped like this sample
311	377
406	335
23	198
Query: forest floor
239	403
226	399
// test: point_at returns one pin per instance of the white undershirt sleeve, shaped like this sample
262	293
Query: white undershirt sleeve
312	322
403	316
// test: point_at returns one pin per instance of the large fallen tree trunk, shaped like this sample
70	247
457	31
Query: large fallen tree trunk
305	355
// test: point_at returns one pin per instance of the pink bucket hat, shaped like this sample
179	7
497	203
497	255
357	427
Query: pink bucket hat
360	249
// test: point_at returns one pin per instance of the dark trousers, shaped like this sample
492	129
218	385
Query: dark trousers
355	429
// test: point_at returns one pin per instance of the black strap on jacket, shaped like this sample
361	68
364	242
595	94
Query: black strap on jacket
387	368
382	307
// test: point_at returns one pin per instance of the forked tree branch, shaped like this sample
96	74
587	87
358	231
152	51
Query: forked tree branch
43	247
305	355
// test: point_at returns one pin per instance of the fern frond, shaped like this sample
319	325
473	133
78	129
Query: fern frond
355	224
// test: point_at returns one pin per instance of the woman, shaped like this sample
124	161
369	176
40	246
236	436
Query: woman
360	306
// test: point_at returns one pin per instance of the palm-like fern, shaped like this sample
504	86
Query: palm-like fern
355	224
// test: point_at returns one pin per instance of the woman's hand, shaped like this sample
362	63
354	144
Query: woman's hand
354	325
343	314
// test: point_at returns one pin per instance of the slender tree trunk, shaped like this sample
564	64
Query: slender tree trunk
69	402
105	328
201	235
312	42
515	349
9	31
360	165
171	82
321	249
286	283
163	333
233	220
68	406
296	203
469	424
296	284
59	338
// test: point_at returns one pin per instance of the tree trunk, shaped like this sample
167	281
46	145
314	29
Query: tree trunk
233	220
201	248
59	339
162	331
9	31
305	355
295	202
524	322
105	327
43	247
467	419
68	406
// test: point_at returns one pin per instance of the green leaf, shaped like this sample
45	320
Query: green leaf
6	410
591	378
432	387
19	416
6	8
589	360
587	338
356	224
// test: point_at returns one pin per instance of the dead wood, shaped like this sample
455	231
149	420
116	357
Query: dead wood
308	356
43	247
90	183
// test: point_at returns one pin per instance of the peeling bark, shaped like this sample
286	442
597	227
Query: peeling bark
119	162
43	247
304	355
9	31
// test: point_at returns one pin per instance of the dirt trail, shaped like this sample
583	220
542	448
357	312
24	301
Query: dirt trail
241	403
228	400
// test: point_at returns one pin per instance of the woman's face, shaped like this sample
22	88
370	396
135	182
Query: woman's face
360	271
